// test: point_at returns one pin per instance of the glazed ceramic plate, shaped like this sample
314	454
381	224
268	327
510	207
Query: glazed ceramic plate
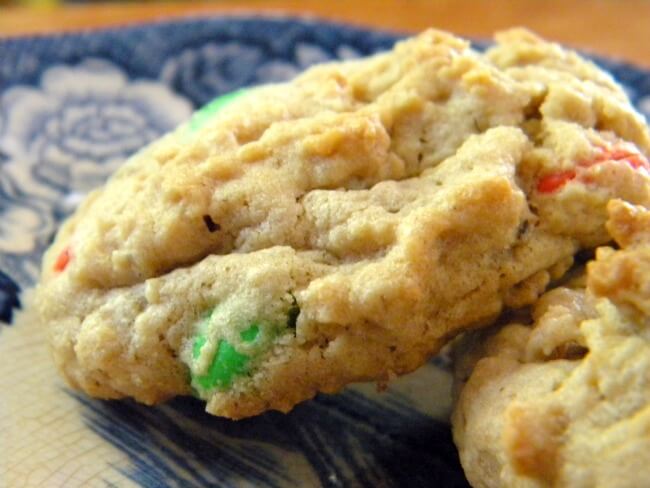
72	108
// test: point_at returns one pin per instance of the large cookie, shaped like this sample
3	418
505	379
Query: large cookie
565	402
343	227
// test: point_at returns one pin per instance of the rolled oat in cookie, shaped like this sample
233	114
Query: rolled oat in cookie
343	227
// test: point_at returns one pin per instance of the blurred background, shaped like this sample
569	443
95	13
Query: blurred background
614	28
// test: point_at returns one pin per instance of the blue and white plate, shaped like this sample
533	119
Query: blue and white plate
72	108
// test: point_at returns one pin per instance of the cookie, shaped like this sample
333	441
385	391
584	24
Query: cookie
294	238
565	401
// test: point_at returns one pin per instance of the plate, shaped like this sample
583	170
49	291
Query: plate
72	108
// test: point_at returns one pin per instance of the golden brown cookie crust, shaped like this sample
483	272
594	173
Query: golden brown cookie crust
565	401
398	200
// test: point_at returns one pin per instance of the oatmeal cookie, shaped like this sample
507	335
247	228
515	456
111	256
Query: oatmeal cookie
566	401
294	238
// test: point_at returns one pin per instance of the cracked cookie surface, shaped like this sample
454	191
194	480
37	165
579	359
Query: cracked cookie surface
565	401
356	219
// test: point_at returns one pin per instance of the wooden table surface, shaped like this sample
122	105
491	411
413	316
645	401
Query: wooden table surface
614	28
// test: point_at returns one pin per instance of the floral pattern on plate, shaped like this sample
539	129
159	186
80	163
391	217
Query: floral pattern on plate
64	137
217	68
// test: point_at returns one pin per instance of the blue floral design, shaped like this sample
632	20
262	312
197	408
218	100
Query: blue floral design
82	122
65	137
214	69
26	226
350	439
23	221
8	298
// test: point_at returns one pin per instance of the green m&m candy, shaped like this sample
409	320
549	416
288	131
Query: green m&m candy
227	362
209	110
